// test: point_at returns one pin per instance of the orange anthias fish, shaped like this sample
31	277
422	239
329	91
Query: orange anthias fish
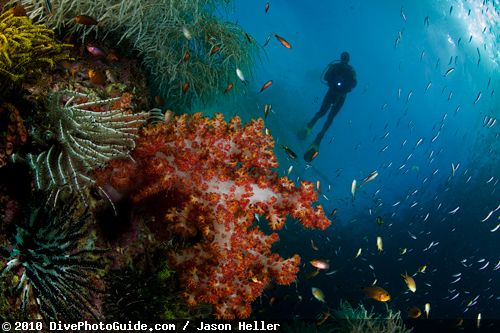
85	20
96	77
185	88
410	282
320	264
18	10
214	50
186	56
228	88
414	312
266	85
283	41
377	293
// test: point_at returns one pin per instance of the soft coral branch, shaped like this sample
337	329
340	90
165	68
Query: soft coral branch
218	175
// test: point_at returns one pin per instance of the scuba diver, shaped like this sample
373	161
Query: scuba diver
341	78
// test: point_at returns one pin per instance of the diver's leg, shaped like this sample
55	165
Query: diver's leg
328	100
333	112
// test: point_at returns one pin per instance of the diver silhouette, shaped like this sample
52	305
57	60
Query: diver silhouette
341	79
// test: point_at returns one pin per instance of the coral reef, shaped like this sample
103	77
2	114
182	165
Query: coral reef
54	265
12	125
81	136
360	320
182	43
26	49
212	178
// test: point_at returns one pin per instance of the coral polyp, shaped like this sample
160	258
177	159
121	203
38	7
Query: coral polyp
80	140
52	259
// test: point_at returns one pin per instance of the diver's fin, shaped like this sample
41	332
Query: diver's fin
312	152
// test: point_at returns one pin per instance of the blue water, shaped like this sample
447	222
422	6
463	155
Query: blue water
390	108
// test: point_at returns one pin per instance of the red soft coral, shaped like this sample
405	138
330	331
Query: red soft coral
219	176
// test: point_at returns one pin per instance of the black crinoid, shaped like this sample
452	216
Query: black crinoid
51	267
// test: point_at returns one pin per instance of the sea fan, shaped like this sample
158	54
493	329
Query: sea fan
53	257
80	140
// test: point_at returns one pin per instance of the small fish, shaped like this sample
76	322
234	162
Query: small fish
454	210
312	274
96	77
186	33
427	309
426	217
19	10
266	85
318	294
240	75
314	247
403	250
478	320
478	97
353	188
428	86
419	142
228	88
267	108
370	177
422	269
268	38
485	265
458	41
85	20
454	168
318	186
409	96
451	9
289	152
380	244
283	41
402	13
358	253
158	100
214	50
249	39
379	220
185	88
449	71
320	264
95	51
186	56
488	216
334	211
410	282
414	312
377	293
266	8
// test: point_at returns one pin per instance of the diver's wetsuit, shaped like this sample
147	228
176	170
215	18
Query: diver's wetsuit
341	79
